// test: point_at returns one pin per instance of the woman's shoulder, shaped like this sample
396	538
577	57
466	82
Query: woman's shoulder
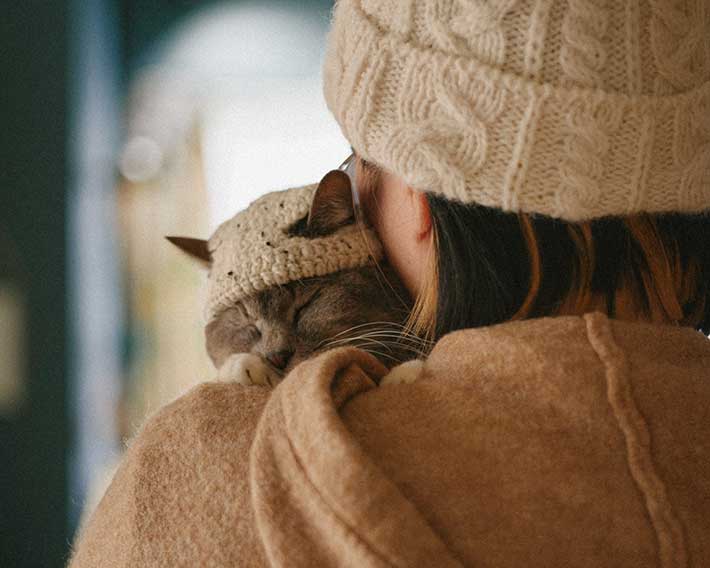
571	345
539	428
182	485
207	409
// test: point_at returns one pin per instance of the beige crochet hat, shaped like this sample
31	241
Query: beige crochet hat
259	248
574	109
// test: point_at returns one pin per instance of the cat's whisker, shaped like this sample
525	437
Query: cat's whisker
357	339
377	353
402	331
391	336
395	345
365	345
382	327
369	324
396	335
377	324
352	340
411	343
364	340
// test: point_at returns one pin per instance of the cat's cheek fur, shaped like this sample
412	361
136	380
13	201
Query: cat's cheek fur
247	369
403	374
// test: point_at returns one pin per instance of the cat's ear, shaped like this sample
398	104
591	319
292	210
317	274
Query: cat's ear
332	205
196	248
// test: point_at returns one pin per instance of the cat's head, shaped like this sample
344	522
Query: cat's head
288	324
285	324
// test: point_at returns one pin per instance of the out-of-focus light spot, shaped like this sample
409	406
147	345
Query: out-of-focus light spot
12	362
141	159
245	79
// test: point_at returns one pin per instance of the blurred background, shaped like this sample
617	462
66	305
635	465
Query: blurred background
124	121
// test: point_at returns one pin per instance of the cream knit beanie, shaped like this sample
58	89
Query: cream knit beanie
574	109
255	250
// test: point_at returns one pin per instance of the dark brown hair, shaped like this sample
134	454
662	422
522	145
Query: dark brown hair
497	266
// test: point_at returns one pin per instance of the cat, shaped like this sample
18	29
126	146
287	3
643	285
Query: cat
283	326
260	338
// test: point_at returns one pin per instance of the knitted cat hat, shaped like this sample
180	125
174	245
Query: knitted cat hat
286	236
575	109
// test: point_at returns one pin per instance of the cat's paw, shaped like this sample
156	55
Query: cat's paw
407	372
247	369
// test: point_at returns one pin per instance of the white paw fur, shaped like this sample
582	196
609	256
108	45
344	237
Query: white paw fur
405	373
247	369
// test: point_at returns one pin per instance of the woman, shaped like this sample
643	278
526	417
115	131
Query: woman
539	174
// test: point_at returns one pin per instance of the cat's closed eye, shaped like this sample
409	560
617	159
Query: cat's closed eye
249	332
231	332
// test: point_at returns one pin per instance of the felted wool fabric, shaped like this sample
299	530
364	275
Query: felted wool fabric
571	441
574	109
254	250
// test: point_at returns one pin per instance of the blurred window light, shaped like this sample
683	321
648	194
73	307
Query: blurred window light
227	106
247	77
265	139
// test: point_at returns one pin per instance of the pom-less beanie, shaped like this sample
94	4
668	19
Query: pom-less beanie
256	249
574	109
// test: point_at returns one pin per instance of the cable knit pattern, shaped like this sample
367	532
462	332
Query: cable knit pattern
582	58
632	47
536	38
253	250
452	141
592	125
642	165
583	54
680	42
394	13
479	24
437	13
693	150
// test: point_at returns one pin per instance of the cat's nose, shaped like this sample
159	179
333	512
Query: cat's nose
279	359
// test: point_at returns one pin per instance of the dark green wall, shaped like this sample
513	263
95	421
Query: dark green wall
33	190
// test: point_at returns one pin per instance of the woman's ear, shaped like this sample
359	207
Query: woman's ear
196	248
332	205
422	214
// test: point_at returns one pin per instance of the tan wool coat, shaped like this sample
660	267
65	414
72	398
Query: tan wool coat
571	441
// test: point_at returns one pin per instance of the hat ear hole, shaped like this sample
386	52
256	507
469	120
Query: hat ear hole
299	228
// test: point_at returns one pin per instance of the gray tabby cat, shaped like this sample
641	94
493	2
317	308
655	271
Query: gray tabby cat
262	337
